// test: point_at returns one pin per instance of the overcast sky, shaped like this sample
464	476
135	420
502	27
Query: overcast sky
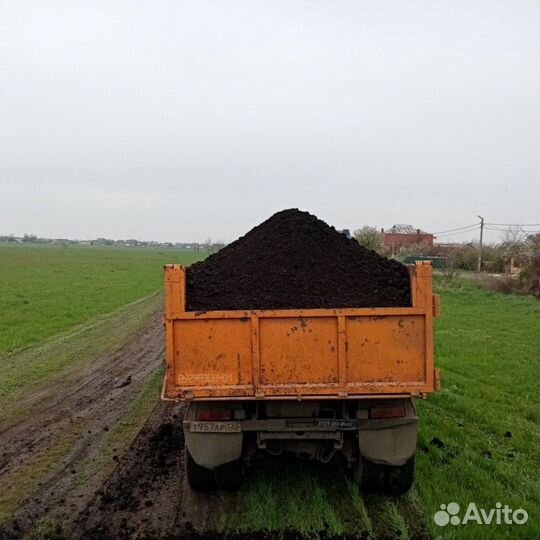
185	120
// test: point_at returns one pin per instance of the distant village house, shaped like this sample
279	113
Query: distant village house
400	236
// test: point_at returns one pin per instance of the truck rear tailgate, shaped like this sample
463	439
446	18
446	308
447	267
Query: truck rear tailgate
310	353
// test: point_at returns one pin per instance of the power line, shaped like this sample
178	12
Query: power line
488	226
506	230
458	228
468	228
515	224
459	232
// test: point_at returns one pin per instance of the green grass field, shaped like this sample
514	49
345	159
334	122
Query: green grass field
47	289
479	437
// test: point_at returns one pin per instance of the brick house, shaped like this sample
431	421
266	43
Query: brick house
405	235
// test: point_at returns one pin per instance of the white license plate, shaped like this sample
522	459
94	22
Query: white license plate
215	427
337	424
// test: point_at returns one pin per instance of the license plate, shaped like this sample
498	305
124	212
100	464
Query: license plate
337	424
215	427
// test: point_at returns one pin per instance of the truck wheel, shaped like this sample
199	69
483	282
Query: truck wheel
387	479
230	475
400	479
199	478
371	476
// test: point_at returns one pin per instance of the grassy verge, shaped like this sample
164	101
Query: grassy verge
45	290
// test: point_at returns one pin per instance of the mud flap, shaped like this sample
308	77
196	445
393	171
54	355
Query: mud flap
210	450
388	442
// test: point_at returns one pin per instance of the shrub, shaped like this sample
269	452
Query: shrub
502	284
369	237
529	277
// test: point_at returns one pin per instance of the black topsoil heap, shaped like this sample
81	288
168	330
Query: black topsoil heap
294	260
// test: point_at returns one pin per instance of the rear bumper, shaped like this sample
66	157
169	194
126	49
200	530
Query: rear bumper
302	427
384	441
296	425
280	425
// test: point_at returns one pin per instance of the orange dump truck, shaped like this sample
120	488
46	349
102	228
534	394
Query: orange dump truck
315	382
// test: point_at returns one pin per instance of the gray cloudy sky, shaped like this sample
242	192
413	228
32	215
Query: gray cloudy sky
187	120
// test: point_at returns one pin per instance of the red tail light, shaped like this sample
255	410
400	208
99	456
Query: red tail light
215	414
387	411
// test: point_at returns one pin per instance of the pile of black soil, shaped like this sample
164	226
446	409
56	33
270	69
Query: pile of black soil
294	260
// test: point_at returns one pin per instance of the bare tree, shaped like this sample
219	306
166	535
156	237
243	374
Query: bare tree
514	245
514	240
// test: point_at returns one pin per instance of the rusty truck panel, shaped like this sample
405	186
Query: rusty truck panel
300	354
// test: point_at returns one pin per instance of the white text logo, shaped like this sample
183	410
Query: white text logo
450	514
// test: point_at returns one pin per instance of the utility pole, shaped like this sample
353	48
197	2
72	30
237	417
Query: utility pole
480	247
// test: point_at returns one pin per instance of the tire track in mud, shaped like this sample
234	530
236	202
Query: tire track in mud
94	390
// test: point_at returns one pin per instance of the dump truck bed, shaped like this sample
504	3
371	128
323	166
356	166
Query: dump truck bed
300	354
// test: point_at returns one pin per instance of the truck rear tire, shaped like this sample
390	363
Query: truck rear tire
386	479
199	478
370	476
400	479
230	475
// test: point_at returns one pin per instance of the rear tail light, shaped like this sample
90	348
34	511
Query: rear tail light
215	414
387	411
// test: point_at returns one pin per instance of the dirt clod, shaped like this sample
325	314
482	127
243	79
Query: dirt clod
123	382
437	442
295	260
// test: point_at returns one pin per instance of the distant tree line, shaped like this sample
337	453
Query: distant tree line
207	247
